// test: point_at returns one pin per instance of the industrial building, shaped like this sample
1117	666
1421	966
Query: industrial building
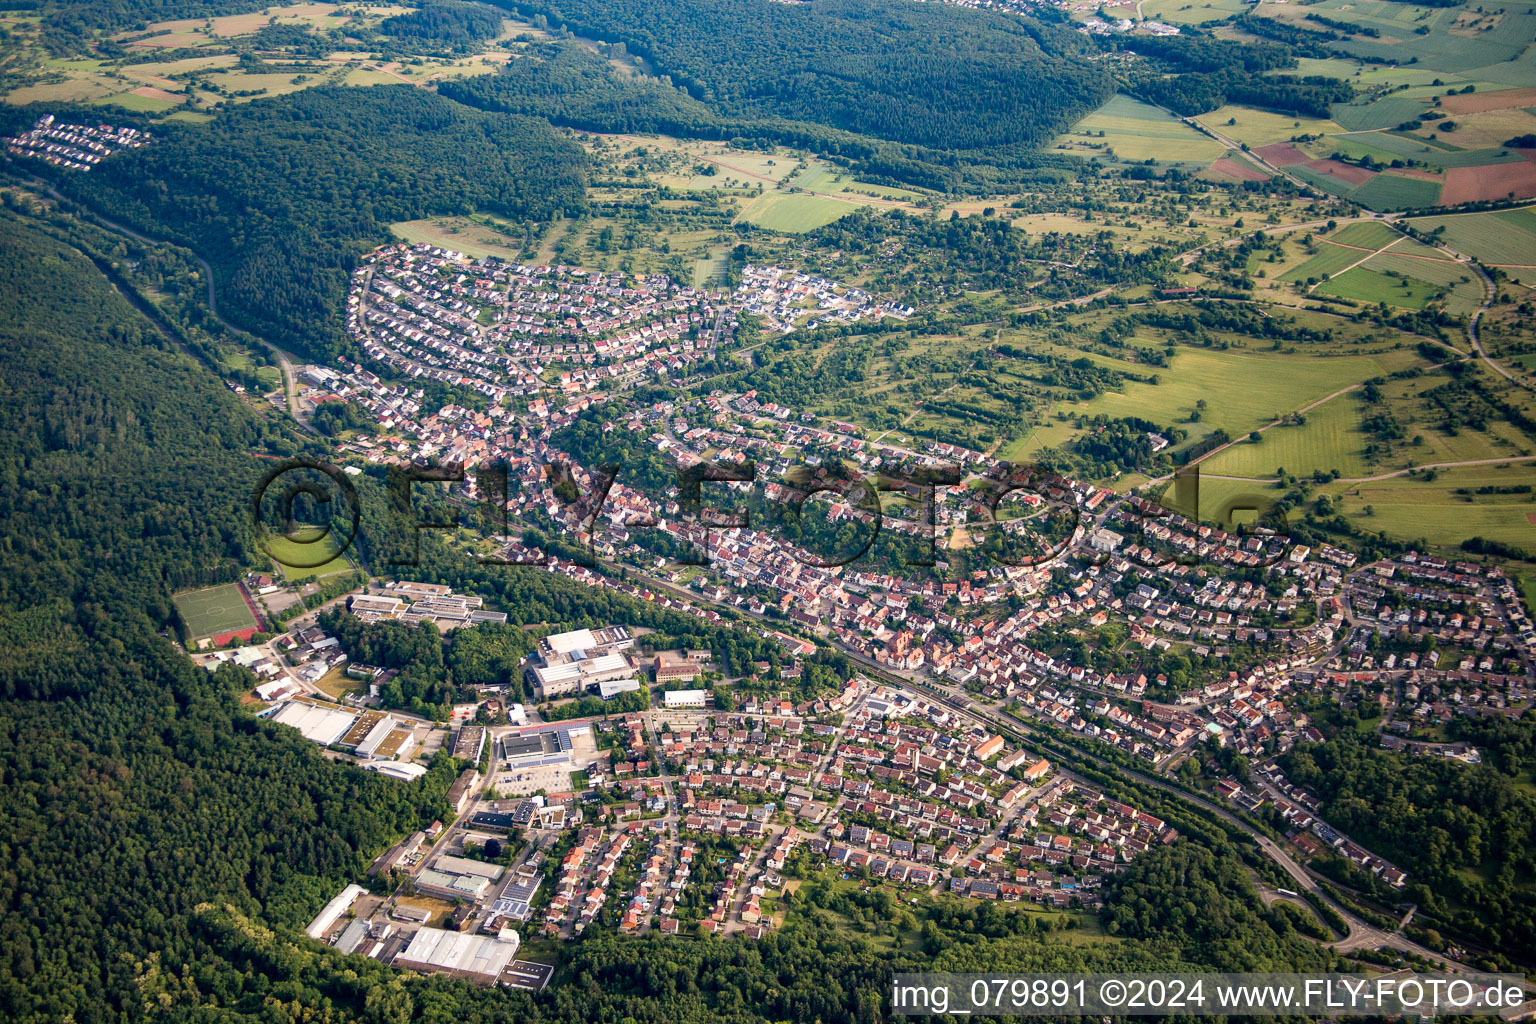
571	663
458	878
685	698
478	958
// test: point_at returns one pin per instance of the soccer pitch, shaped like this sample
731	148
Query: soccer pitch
214	611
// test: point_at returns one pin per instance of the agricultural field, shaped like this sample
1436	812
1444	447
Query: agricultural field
1329	260
1460	287
1415	507
1331	438
1130	131
1397	192
1453	39
1366	235
1262	128
1506	238
215	611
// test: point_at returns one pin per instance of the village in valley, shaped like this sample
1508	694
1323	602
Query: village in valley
700	811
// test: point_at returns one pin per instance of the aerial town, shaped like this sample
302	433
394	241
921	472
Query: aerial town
689	818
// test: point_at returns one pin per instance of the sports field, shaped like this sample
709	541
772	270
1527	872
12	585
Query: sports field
215	611
284	550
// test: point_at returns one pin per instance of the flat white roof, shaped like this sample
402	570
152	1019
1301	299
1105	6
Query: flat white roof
333	910
460	951
575	640
382	728
401	770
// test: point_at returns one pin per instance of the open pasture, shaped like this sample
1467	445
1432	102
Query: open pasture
1330	439
1365	284
1242	390
1136	131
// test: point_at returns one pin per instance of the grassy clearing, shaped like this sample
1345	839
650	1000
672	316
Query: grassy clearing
215	610
1129	130
460	234
336	684
795	213
1190	12
141	104
1528	592
1411	508
305	551
1364	284
1330	438
1242	390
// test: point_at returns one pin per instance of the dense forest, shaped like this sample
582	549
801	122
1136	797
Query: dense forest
913	73
135	787
1193	74
281	196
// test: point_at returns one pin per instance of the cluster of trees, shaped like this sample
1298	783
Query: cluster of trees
282	196
1463	833
1202	902
334	417
1209	73
443	24
1113	444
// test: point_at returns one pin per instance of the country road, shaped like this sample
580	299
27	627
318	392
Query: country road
1383	476
284	360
